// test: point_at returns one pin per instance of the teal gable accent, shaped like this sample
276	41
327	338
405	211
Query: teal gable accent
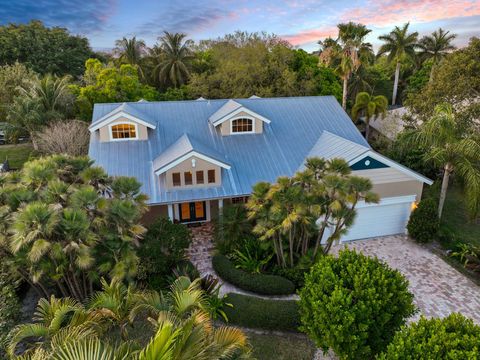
368	163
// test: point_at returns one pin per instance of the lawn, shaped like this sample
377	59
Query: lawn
16	154
281	347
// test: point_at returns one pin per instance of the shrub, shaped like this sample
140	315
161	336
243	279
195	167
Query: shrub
354	304
9	303
257	283
254	312
454	337
424	224
295	275
64	137
161	250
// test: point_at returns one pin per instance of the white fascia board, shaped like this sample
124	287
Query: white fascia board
187	156
116	116
393	164
236	112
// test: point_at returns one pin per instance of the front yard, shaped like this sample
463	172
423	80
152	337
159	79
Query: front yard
281	347
16	154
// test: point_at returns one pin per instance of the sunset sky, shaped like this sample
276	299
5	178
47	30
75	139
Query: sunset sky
302	22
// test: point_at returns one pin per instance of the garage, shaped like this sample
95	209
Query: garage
388	217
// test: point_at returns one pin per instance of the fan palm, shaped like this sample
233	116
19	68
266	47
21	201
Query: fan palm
371	107
173	56
448	146
436	46
398	44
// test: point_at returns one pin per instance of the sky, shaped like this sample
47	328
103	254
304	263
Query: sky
301	22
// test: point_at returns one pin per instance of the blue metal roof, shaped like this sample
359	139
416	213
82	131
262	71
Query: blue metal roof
296	126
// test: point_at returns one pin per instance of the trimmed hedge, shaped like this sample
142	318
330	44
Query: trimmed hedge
257	283
254	312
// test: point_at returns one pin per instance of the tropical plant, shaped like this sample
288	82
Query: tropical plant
251	257
232	228
371	107
66	223
131	50
9	303
436	47
173	55
453	337
450	146
399	43
354	304
469	255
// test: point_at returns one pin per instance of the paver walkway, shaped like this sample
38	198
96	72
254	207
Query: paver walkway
439	289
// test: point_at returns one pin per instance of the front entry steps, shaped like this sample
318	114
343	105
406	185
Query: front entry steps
201	248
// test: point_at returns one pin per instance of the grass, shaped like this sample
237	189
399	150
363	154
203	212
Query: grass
16	154
281	347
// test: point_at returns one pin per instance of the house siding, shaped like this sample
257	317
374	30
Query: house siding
401	188
186	166
225	126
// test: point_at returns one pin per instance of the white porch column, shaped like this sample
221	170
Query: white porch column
170	212
220	206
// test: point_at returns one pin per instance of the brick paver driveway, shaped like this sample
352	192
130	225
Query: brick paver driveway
439	289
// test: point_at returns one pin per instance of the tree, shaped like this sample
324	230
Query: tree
354	304
453	337
173	55
103	84
451	147
69	137
436	47
399	43
423	223
371	107
130	50
44	50
66	223
354	51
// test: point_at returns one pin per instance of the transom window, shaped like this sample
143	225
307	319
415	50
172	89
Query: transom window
242	125
124	131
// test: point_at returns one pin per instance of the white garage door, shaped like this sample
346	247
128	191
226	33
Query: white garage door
388	217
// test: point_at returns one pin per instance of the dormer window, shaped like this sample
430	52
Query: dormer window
124	131
242	125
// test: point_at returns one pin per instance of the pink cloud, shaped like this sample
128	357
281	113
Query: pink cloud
312	35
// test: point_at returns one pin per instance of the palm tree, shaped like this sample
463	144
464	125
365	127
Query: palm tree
329	50
371	107
436	46
130	50
398	44
173	56
448	145
354	51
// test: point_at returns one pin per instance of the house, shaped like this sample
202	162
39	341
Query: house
193	157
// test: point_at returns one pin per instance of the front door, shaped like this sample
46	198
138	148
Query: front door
193	211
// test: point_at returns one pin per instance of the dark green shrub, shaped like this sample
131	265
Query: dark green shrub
257	283
295	275
454	337
161	250
354	304
254	312
9	303
232	229
423	224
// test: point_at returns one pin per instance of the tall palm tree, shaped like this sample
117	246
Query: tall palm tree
398	44
371	107
436	46
354	51
450	147
329	50
130	50
173	56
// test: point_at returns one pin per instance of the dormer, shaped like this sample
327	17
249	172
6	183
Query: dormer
124	123
234	118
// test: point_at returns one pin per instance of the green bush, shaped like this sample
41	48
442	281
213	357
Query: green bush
423	224
161	250
9	303
454	337
254	312
354	304
257	283
295	275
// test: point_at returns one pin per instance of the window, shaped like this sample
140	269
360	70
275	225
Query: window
187	177
242	125
240	200
124	131
211	176
176	179
200	179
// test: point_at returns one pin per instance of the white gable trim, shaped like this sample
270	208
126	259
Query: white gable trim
235	112
188	155
121	114
392	164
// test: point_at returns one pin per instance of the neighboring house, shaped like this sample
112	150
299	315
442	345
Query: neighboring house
193	157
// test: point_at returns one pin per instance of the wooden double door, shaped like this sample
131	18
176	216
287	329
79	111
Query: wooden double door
192	211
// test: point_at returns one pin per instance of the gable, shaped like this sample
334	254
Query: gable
232	109
368	163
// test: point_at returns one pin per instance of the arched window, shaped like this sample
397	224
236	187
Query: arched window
242	125
124	131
